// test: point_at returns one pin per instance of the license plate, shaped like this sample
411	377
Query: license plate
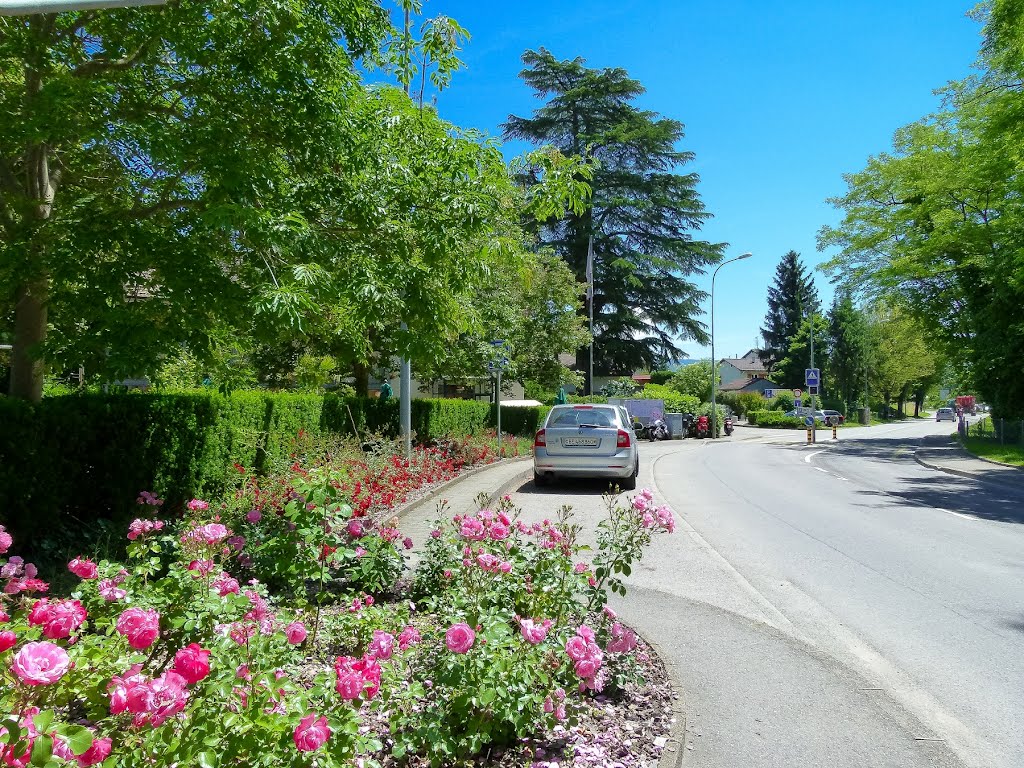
589	442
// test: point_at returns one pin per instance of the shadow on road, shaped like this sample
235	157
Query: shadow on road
580	486
968	497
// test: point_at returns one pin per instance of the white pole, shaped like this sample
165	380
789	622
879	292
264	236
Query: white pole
405	402
590	292
497	400
714	370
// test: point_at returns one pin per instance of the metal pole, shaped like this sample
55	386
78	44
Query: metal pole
819	381
714	370
590	310
20	7
405	402
497	400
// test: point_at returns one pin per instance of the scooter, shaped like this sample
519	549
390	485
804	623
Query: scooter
702	426
658	430
728	426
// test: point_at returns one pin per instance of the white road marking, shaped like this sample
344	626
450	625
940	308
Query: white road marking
809	456
822	470
958	514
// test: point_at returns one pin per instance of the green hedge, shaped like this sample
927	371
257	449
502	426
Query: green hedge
775	420
88	456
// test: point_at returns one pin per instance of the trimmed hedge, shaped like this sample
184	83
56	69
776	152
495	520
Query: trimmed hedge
775	420
88	456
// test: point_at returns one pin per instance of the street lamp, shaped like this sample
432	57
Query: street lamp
714	370
30	7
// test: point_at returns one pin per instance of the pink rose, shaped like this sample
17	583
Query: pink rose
83	568
311	733
109	590
192	663
40	663
407	542
623	640
357	677
576	648
225	585
59	618
533	633
472	529
97	753
587	667
169	696
408	637
355	529
580	568
382	646
254	516
140	626
459	638
198	504
586	633
4	616
295	632
5	540
7	640
499	531
435	533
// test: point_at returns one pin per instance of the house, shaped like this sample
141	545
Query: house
742	386
742	369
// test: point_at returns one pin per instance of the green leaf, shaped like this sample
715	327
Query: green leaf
79	739
208	760
42	750
43	720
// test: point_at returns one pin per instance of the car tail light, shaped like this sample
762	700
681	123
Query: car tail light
623	440
539	440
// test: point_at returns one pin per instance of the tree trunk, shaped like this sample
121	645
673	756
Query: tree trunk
361	374
29	332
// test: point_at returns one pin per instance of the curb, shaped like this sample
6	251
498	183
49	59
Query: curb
675	749
968	474
439	490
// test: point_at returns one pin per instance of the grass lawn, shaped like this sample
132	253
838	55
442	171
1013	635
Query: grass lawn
988	449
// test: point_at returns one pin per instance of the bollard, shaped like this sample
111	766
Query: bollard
835	431
810	436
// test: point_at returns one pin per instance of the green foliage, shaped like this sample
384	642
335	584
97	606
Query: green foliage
775	420
789	370
744	402
694	380
661	377
89	455
783	401
620	387
791	300
848	351
644	301
674	401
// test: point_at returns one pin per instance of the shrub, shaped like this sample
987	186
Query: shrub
784	401
775	420
749	401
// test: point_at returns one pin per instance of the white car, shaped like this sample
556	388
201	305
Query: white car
945	414
586	441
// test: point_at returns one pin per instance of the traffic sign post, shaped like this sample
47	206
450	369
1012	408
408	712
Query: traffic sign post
797	403
797	393
495	366
812	377
811	430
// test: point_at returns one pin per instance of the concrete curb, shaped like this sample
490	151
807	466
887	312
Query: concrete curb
675	749
433	493
968	474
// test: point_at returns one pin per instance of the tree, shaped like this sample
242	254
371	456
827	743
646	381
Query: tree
694	380
789	371
936	226
902	358
643	214
145	152
791	299
847	341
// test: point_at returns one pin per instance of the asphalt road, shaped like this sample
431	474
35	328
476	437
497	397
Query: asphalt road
837	604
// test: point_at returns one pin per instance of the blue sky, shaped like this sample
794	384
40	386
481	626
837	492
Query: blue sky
779	99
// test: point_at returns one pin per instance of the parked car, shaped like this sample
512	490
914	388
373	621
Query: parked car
803	412
586	441
833	418
945	414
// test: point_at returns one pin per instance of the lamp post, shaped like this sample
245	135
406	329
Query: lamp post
30	7
714	370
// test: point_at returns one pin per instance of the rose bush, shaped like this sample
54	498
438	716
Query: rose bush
180	657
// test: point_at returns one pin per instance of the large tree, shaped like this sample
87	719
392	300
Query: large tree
789	371
151	152
791	299
847	348
644	211
936	226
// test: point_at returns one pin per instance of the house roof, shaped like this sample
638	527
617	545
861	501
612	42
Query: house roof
750	362
748	385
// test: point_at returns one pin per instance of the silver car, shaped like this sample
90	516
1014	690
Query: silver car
586	441
945	414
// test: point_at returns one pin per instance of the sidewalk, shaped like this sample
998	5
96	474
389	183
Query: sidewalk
946	455
753	694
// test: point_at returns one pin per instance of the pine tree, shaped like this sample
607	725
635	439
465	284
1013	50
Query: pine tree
643	213
790	300
847	342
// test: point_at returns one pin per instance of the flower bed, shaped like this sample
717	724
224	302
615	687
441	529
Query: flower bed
183	656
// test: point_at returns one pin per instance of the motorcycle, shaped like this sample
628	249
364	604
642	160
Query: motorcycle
689	425
639	429
728	426
658	430
703	429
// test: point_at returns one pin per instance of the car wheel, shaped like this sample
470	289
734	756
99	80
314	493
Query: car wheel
629	484
539	480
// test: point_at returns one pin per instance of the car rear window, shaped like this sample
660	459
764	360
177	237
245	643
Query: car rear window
602	417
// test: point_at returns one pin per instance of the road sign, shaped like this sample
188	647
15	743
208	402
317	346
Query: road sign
498	343
769	393
797	393
812	377
812	390
796	403
809	421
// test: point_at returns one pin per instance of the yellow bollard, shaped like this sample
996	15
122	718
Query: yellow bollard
810	436
835	430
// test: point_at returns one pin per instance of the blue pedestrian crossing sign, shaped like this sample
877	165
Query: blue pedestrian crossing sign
812	377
